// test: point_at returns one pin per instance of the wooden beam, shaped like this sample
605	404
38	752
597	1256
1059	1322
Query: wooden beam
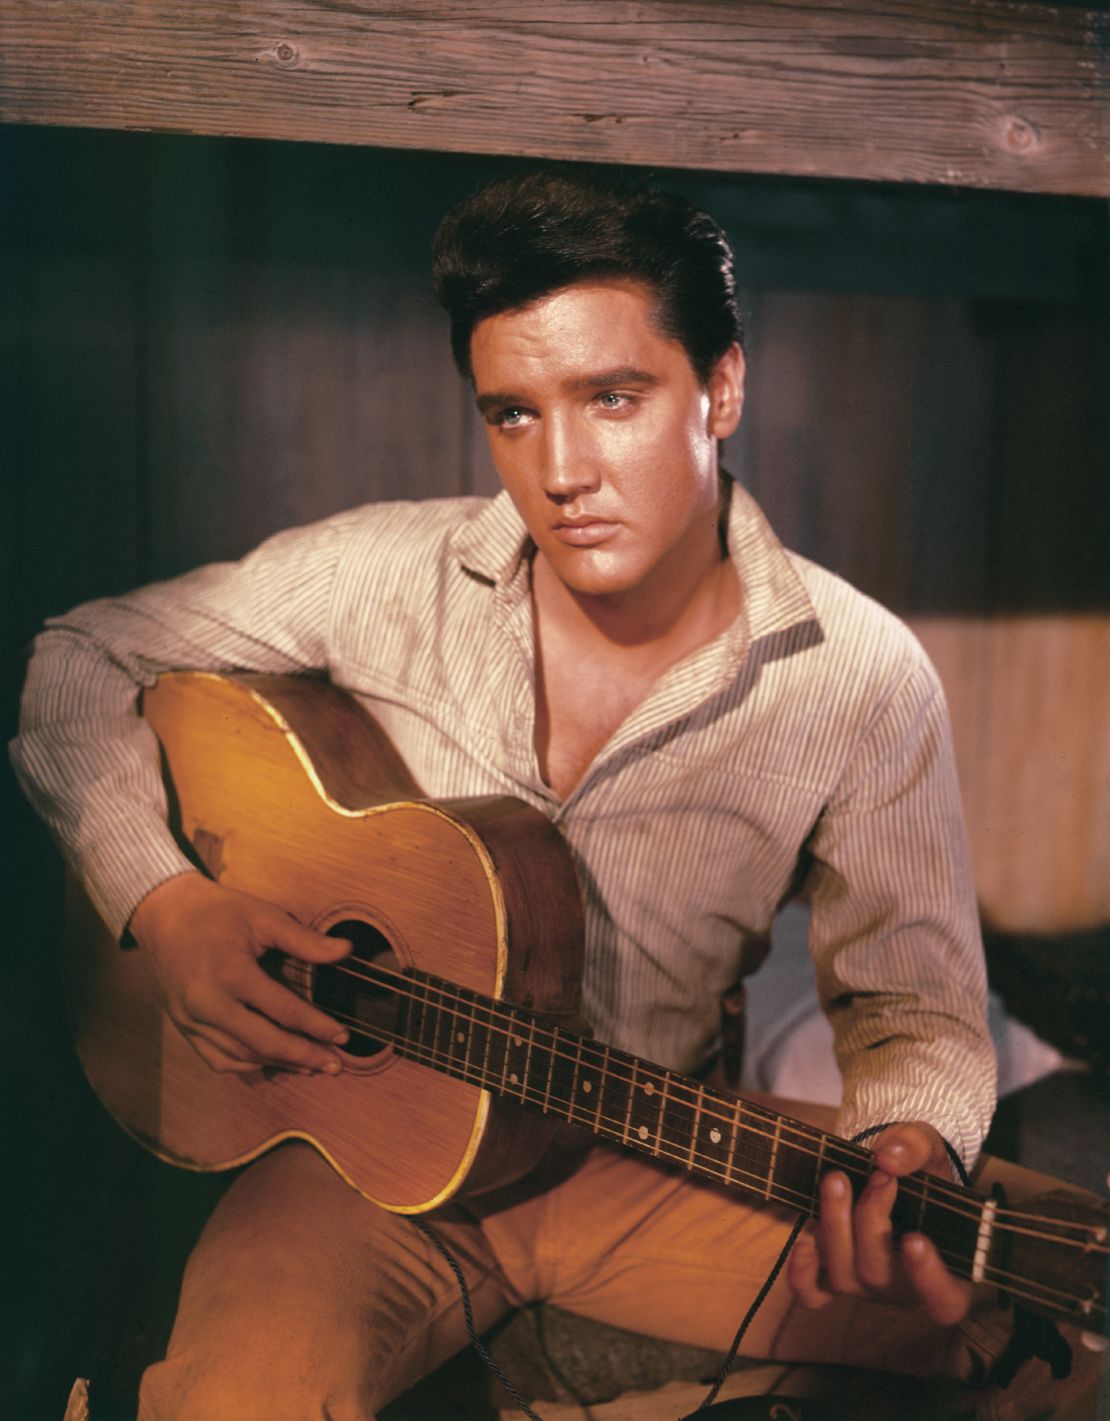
982	93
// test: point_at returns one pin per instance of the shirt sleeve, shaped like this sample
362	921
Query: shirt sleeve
895	928
89	764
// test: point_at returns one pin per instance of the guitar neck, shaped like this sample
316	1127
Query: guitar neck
671	1117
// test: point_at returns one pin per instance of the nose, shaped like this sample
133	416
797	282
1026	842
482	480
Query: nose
569	460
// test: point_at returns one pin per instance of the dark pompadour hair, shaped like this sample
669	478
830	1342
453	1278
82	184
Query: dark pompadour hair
521	238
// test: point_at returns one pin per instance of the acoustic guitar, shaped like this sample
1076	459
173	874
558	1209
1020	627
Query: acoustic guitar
461	996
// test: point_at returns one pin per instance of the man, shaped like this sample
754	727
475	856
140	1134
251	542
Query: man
714	724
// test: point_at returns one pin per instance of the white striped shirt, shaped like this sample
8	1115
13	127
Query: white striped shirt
805	750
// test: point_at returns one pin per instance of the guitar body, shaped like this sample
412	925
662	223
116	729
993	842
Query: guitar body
467	932
287	790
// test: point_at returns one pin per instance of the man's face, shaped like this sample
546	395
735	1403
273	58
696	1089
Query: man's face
603	434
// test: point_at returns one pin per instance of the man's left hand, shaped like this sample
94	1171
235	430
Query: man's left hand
851	1251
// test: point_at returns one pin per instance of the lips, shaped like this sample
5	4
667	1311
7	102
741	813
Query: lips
583	532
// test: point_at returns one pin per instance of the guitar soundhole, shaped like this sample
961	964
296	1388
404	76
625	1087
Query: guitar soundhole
367	1008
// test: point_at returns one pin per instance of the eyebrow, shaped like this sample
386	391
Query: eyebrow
599	380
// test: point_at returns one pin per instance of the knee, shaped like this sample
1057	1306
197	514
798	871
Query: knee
242	1388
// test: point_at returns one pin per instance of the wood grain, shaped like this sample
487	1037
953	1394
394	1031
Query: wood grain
969	92
416	871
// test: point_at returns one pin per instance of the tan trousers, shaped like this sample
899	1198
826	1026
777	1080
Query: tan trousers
303	1302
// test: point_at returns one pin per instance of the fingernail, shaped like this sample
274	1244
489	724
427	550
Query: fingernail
914	1246
836	1184
896	1154
333	1068
340	1037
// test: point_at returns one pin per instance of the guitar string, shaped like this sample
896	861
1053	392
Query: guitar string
855	1158
421	1053
1019	1285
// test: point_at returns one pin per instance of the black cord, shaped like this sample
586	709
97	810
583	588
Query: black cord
468	1313
954	1159
730	1358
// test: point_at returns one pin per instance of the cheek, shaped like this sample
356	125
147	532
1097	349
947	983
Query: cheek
672	465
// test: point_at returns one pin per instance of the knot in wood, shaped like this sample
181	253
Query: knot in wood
286	54
1020	135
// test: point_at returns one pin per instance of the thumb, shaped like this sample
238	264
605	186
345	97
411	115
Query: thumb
904	1148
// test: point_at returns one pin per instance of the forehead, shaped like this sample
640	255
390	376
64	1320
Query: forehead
592	325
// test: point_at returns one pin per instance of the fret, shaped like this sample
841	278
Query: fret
715	1139
471	1029
615	1101
642	1119
817	1173
696	1127
664	1095
488	1028
630	1095
565	1071
410	1017
957	1233
732	1140
600	1087
497	1056
461	1036
771	1163
551	1050
528	1060
585	1097
678	1124
449	1036
751	1162
435	1006
512	1079
797	1166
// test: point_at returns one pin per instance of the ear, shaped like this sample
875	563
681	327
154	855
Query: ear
726	393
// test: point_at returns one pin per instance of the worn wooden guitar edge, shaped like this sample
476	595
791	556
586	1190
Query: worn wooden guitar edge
503	833
84	925
314	717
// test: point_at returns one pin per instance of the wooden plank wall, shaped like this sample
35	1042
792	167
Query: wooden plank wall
207	340
975	92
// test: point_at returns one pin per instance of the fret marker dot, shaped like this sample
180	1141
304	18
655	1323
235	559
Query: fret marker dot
642	1132
649	1089
517	1041
715	1136
461	1036
514	1078
587	1086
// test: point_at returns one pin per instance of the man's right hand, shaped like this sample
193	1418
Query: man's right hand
205	942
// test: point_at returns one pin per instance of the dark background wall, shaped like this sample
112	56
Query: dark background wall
203	340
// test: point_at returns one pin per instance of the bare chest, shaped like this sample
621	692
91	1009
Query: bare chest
579	707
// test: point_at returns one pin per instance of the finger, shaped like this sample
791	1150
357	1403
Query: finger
874	1233
803	1273
220	1046
280	930
946	1299
219	1059
277	1047
835	1234
288	1010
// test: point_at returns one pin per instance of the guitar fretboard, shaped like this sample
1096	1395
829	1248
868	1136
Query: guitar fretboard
672	1117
